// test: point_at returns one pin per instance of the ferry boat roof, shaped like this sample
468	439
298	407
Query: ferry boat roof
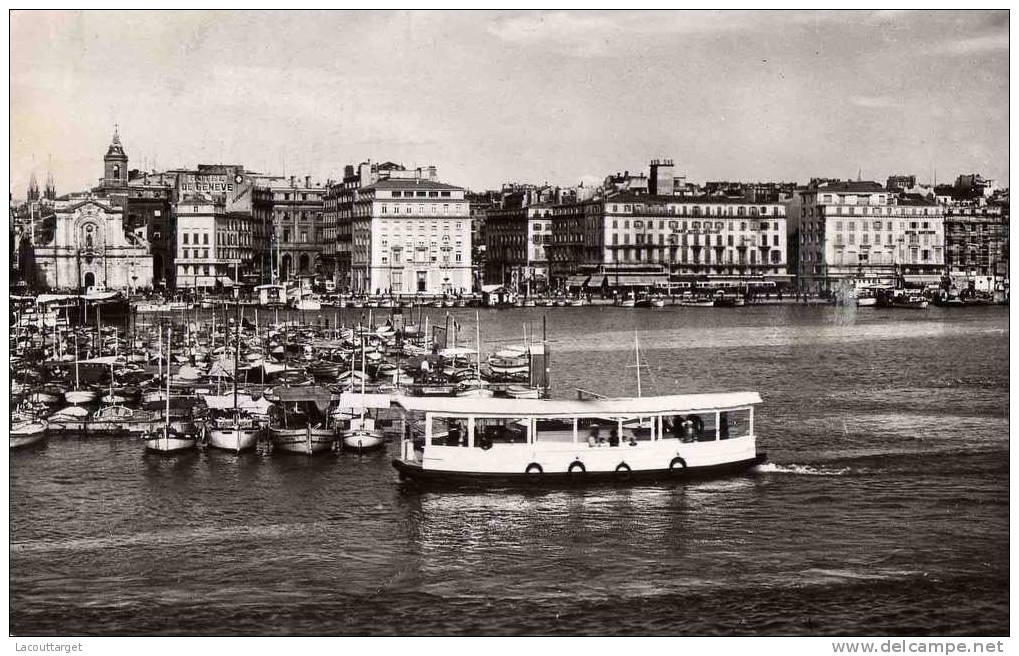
644	405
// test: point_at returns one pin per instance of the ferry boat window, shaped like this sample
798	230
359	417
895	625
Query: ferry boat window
489	431
733	424
553	430
638	429
689	427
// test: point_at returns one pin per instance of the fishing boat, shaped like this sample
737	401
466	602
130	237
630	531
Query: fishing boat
902	300
300	420
727	300
170	437
362	434
627	301
539	441
234	430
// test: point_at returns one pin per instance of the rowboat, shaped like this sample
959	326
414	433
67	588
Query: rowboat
452	441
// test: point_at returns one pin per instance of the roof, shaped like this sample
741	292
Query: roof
412	183
302	393
915	199
677	403
850	185
627	197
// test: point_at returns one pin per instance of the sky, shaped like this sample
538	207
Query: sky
555	97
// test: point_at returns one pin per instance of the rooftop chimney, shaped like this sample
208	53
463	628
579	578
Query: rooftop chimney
307	182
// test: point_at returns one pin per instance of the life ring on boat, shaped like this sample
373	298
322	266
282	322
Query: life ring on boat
576	466
623	467
677	464
485	443
534	468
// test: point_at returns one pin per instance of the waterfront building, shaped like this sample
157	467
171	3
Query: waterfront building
858	231
516	239
977	241
409	234
290	221
91	248
208	253
668	241
150	208
479	204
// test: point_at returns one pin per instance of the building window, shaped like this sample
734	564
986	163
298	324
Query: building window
185	238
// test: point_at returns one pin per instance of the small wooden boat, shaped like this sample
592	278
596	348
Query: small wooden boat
300	421
362	435
523	392
237	433
80	396
168	439
28	432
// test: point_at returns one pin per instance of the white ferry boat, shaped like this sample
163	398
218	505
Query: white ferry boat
459	440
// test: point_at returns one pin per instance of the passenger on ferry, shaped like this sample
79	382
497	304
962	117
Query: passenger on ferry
614	437
593	438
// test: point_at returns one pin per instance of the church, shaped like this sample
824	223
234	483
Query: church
90	246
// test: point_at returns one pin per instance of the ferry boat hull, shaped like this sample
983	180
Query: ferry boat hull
438	477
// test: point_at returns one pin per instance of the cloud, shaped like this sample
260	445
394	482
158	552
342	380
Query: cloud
588	34
976	44
874	102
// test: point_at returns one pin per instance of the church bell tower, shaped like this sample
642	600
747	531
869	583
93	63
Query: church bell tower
115	173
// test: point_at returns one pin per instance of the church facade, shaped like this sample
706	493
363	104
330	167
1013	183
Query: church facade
91	249
90	246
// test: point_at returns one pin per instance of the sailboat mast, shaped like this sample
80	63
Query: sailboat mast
160	352
477	321
237	351
169	348
636	347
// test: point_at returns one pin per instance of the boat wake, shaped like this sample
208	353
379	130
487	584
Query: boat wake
803	470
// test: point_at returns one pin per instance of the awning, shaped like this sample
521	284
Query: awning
302	393
225	281
619	280
920	280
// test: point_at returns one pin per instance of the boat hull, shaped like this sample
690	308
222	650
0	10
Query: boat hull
170	444
27	434
308	441
442	478
229	439
362	440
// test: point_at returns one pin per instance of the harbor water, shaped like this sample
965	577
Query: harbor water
883	508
